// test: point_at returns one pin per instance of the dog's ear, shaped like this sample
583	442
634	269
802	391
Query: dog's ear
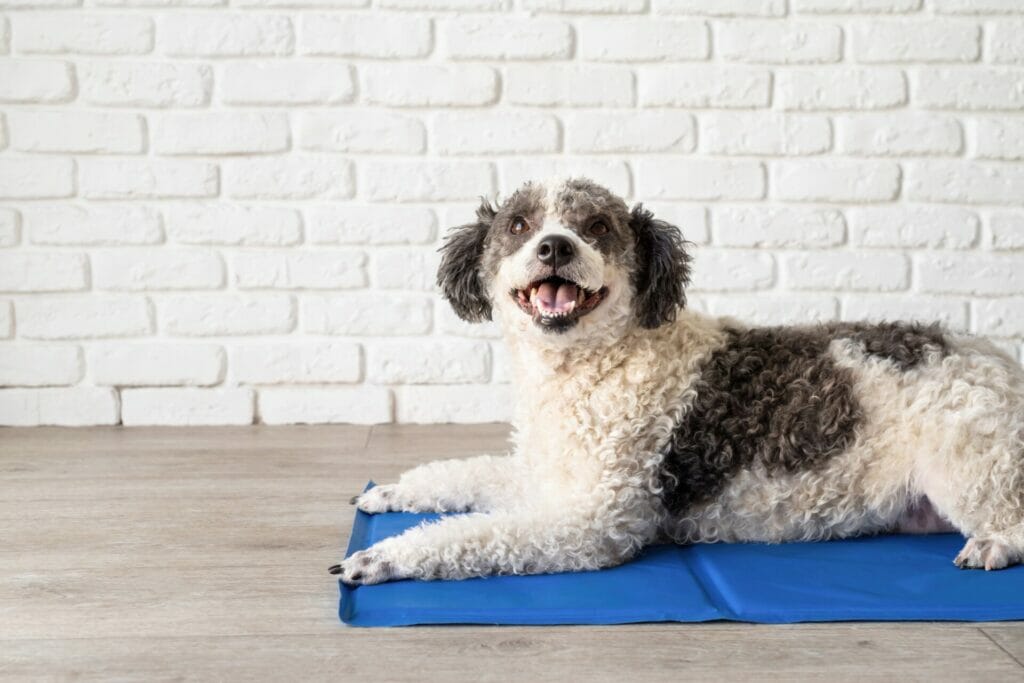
662	269
459	272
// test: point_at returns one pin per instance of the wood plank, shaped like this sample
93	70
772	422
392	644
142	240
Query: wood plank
911	652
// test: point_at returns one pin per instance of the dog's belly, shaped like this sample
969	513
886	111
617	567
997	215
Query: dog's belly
921	517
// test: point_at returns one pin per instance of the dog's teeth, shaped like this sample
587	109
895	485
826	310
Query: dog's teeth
570	307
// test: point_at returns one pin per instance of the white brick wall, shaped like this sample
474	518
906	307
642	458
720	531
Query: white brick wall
227	211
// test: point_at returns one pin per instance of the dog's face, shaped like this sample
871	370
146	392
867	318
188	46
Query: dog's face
566	260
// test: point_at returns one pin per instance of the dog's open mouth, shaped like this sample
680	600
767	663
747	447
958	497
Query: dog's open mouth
557	303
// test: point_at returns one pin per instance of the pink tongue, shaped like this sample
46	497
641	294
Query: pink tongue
556	298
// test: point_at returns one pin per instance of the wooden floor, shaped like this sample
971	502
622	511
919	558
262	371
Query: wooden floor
200	554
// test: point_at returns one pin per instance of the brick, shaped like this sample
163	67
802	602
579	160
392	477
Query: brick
691	219
10	228
367	314
375	35
724	270
643	40
977	6
775	227
157	269
448	361
146	84
702	86
156	364
298	270
429	85
370	225
35	81
233	225
36	178
412	269
226	35
450	324
855	6
373	132
841	88
460	404
187	407
6	320
5	36
214	315
160	3
76	132
1000	317
926	309
83	317
964	273
40	365
845	271
765	133
963	182
902	134
630	131
495	133
36	271
772	42
702	179
835	181
75	407
770	309
445	5
25	4
999	138
296	363
325	405
87	34
87	225
915	41
220	133
318	4
1007	230
305	177
472	37
722	8
971	88
583	6
1004	43
288	82
150	179
405	181
913	227
610	173
551	85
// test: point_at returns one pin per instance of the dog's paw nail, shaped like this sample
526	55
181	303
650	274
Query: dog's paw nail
334	569
353	500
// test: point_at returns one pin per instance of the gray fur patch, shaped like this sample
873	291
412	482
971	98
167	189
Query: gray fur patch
775	397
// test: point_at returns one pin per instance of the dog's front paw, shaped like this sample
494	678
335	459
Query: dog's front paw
983	554
366	567
381	498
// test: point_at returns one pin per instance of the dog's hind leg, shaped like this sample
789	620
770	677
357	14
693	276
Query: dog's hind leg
481	483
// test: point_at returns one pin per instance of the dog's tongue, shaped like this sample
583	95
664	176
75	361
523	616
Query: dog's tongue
556	297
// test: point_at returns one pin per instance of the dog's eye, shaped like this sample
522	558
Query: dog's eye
519	226
599	229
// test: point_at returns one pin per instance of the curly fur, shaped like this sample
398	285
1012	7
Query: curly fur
647	420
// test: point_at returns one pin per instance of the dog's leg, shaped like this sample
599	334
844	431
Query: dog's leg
480	483
503	543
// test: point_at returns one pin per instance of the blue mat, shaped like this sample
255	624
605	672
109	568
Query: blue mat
881	578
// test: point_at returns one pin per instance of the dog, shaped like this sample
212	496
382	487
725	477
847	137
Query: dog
638	420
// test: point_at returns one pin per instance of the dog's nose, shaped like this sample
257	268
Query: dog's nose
555	250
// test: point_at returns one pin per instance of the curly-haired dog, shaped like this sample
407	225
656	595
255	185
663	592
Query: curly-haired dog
638	420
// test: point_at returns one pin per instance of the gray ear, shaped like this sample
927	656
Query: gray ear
662	269
459	272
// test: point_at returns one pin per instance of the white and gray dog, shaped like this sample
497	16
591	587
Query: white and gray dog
639	421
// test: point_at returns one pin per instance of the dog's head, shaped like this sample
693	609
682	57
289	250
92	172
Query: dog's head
567	260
